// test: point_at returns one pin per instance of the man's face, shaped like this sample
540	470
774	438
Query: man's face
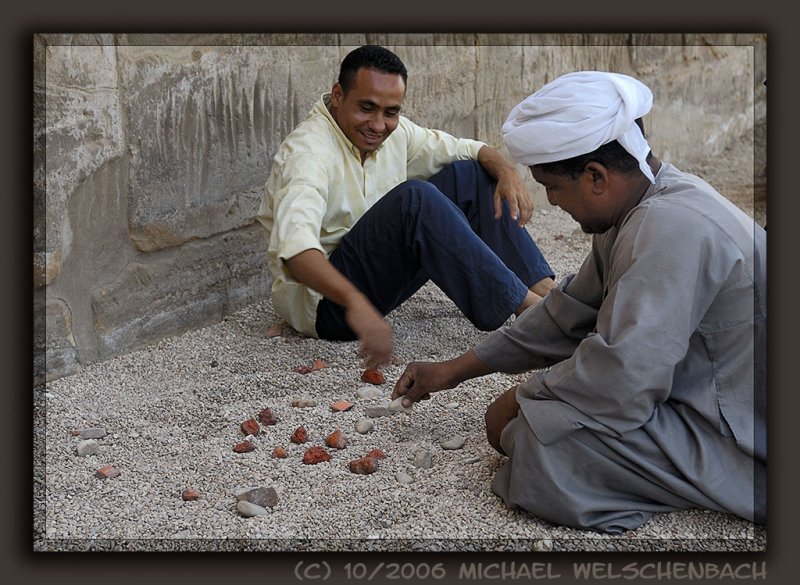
370	110
576	197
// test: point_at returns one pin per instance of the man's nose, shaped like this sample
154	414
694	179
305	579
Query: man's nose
377	123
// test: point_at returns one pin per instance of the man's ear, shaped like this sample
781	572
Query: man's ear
337	95
598	175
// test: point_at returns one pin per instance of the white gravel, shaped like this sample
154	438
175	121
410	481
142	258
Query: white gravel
172	413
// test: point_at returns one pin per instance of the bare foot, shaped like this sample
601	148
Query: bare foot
542	287
530	299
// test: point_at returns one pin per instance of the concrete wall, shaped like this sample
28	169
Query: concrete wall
150	153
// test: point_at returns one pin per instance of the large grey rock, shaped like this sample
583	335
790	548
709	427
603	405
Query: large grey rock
180	290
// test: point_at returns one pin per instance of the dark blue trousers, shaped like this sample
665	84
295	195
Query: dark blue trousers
442	230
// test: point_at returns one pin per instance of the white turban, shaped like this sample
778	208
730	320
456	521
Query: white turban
576	114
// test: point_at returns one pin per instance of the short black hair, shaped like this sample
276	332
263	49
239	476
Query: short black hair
610	155
370	57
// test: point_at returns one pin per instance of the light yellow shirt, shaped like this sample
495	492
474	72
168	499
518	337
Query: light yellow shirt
318	189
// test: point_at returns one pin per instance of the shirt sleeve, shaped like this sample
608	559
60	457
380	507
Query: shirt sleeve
664	270
299	188
430	150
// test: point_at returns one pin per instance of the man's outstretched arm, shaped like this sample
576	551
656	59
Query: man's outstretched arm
312	269
421	378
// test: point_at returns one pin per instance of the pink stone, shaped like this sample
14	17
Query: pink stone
107	472
341	405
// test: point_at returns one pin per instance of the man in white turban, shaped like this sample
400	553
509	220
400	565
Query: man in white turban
648	390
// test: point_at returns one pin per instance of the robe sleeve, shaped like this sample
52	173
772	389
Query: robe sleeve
663	271
550	331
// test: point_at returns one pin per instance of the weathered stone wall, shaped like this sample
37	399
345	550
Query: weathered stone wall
151	152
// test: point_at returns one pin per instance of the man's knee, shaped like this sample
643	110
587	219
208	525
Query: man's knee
493	434
415	197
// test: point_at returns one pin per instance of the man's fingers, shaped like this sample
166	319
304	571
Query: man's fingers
404	382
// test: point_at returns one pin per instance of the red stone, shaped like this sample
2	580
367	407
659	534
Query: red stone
250	427
107	472
190	495
373	376
279	453
341	405
244	447
376	453
318	365
364	465
266	418
336	440
314	455
299	436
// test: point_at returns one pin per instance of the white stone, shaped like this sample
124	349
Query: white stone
403	477
364	425
368	392
248	509
396	405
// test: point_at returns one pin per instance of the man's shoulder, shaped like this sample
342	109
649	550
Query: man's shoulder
315	128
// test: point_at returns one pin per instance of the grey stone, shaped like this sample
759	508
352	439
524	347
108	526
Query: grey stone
423	459
304	403
92	433
266	497
377	411
403	477
453	443
184	288
87	447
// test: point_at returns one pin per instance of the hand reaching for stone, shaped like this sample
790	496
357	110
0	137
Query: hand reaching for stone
420	379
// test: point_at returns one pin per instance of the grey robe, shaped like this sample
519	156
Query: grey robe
651	389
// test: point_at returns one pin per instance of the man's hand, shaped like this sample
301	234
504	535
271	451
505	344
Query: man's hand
498	415
374	333
313	269
420	379
510	187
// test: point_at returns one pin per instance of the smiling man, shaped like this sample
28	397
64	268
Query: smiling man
363	206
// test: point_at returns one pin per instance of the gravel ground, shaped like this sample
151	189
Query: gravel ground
172	414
